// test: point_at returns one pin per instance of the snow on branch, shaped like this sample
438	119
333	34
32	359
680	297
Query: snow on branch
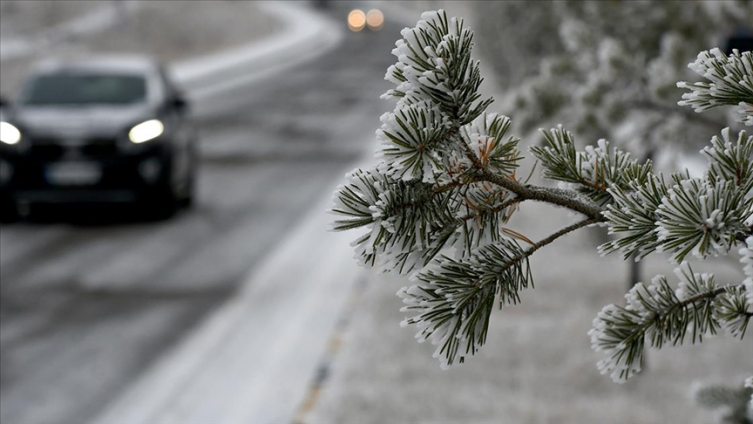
591	172
731	83
656	314
439	200
453	299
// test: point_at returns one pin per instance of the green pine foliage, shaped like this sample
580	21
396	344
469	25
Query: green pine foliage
437	204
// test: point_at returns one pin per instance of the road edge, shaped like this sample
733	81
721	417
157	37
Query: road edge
306	35
219	373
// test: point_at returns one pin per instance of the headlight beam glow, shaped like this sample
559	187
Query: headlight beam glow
9	134
146	131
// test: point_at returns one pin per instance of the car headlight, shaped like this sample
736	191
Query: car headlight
9	134
145	131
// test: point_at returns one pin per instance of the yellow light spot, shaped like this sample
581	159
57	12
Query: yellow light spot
356	20
375	19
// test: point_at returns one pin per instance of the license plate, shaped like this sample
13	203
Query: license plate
74	173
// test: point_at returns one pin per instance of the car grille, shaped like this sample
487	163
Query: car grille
47	152
50	149
100	148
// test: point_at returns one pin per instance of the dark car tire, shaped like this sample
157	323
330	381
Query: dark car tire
187	198
186	201
164	202
8	209
189	193
160	200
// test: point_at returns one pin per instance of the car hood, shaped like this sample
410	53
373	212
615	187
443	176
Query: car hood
80	120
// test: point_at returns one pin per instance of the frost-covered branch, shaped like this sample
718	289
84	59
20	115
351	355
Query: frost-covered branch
702	216
439	201
730	83
657	314
452	299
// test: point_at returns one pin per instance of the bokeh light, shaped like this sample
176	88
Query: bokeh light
9	134
356	20
375	19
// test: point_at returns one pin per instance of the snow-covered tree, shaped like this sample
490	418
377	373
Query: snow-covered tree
607	68
438	202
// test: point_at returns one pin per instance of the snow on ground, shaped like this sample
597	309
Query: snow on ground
167	30
30	31
304	36
23	18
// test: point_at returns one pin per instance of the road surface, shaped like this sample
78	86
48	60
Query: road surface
90	297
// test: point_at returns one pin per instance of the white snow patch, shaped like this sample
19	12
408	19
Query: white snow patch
306	35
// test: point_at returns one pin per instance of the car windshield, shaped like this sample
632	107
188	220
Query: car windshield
84	89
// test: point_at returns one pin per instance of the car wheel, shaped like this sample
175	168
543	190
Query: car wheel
189	191
165	202
8	209
187	200
161	201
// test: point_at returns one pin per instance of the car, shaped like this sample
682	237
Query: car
98	129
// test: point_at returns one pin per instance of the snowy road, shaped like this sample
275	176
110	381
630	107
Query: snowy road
90	298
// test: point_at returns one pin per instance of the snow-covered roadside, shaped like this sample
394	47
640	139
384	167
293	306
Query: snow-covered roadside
306	35
170	32
96	20
253	359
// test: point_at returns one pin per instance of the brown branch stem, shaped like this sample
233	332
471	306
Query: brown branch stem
499	208
565	198
679	305
548	240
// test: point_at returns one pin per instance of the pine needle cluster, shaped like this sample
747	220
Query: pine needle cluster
437	205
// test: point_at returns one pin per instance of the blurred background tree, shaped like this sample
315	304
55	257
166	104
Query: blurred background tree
607	69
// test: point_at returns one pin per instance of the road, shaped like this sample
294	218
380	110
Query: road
89	297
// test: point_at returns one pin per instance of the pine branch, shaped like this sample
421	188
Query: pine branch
548	240
565	198
730	83
559	197
658	314
454	184
446	184
497	209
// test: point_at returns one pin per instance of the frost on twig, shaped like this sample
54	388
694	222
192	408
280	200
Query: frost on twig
730	83
656	314
438	203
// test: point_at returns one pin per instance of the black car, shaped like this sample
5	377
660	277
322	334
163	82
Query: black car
109	129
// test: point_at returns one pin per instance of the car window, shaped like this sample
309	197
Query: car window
84	89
